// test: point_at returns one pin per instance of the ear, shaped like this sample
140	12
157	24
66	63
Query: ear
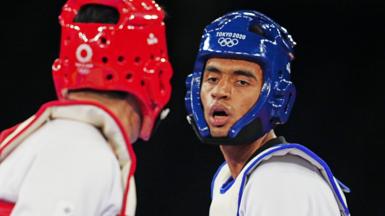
147	125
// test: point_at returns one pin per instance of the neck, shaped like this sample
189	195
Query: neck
236	156
124	109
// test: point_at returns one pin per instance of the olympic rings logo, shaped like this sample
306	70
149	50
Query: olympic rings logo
229	42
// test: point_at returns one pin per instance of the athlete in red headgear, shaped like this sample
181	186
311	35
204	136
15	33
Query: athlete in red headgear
112	78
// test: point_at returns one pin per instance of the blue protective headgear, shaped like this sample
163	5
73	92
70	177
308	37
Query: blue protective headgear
252	36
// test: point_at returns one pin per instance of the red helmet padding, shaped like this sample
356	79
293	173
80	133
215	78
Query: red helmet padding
130	56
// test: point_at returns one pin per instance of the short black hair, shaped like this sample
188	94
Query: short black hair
97	13
111	94
118	95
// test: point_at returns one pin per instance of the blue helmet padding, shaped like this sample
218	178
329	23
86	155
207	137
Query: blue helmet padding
230	37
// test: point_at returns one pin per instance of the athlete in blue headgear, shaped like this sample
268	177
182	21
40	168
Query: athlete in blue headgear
239	91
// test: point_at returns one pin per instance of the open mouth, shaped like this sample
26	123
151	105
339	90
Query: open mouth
219	116
220	113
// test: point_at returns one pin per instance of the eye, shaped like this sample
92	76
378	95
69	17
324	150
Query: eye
212	80
242	83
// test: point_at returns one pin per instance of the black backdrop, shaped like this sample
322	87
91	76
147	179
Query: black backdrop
338	112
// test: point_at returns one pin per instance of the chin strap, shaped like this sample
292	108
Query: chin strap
251	132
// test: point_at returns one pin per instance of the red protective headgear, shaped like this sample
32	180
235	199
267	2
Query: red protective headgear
130	56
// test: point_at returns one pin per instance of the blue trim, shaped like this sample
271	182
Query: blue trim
196	105
308	152
215	177
345	188
227	185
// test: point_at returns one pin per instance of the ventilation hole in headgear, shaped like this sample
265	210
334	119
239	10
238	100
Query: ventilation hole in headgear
104	60
160	73
109	77
137	59
128	76
161	52
97	13
152	57
120	59
142	83
103	40
257	29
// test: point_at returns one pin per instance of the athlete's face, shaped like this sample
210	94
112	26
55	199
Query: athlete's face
229	89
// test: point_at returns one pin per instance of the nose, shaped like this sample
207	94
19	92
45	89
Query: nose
222	90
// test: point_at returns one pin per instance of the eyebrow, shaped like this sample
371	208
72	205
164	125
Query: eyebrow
212	69
245	73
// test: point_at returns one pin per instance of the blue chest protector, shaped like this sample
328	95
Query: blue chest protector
298	150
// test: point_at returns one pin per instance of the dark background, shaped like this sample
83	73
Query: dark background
338	113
